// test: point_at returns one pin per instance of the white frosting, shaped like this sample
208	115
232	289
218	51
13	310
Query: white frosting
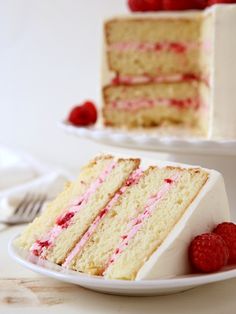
223	102
209	208
222	117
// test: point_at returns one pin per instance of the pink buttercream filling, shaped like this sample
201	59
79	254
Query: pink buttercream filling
136	223
134	105
132	180
176	47
145	78
65	220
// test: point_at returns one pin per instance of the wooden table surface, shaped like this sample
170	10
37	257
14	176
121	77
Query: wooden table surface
22	291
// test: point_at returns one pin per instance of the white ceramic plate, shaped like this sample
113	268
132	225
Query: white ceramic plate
117	287
152	140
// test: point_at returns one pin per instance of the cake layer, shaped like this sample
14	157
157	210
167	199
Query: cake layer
154	46
45	222
77	219
150	117
153	30
156	63
172	91
146	105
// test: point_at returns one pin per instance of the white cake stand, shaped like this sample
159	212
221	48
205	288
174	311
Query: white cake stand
213	154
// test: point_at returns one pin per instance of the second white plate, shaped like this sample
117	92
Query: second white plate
117	287
152	140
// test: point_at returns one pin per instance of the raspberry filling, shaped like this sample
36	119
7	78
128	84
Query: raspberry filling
134	105
40	246
145	78
132	180
175	47
168	180
136	223
65	219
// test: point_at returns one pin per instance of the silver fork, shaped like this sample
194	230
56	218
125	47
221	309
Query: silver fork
26	210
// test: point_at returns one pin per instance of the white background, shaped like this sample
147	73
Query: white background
49	60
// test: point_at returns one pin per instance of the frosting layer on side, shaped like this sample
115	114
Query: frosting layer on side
223	109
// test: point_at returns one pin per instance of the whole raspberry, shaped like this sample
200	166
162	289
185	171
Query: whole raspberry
174	5
227	230
208	253
83	115
211	2
145	5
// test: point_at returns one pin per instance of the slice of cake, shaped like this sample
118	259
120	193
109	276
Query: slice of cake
129	221
171	69
57	230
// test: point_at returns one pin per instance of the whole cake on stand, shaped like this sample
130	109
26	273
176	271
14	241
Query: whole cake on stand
172	69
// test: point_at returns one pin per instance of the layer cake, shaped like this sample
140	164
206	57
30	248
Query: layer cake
172	69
